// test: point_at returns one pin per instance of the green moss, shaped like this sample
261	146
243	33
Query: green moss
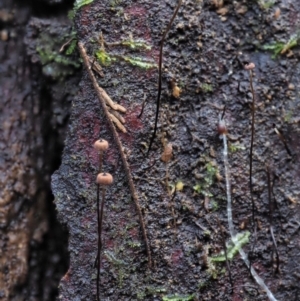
211	173
141	295
121	275
206	87
80	3
112	258
119	12
197	188
132	44
104	58
47	44
177	297
134	244
71	14
235	147
266	4
107	59
288	116
276	48
71	47
55	64
118	266
113	3
282	47
203	284
214	205
209	177
149	290
207	233
138	62
212	269
232	248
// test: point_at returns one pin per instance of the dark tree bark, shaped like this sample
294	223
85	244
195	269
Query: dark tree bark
182	201
205	72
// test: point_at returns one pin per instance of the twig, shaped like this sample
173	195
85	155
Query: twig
116	121
271	209
281	137
117	115
62	48
160	73
143	106
223	113
101	96
96	67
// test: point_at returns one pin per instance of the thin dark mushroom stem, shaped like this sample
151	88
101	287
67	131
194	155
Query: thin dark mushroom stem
223	113
103	179
271	210
250	67
160	73
251	152
100	219
100	161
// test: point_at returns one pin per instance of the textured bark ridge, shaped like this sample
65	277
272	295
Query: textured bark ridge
22	202
179	199
30	264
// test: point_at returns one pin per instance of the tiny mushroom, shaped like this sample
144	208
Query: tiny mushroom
249	66
101	145
222	129
104	178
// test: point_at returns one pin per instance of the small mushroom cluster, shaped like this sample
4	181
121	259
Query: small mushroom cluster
103	180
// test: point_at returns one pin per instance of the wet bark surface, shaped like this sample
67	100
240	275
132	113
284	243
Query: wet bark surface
181	200
204	56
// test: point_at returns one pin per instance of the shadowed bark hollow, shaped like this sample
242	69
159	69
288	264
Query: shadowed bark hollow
33	114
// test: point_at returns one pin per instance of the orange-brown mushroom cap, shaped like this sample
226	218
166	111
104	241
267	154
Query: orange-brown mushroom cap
101	145
104	178
249	66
